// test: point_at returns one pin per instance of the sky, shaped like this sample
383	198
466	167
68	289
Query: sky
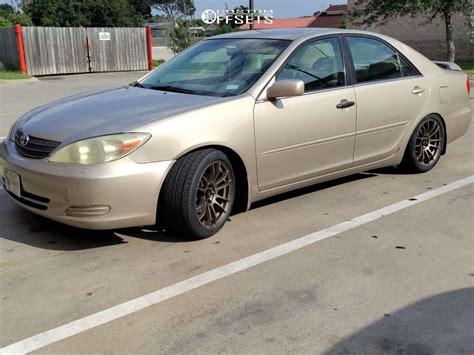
281	8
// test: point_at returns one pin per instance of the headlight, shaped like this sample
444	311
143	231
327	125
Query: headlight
100	149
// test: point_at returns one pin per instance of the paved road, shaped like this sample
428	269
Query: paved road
403	283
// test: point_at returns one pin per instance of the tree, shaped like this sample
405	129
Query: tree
21	18
174	9
371	12
5	23
224	28
241	10
180	38
9	17
142	7
89	13
7	8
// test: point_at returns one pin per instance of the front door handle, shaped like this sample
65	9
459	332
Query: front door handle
345	104
417	90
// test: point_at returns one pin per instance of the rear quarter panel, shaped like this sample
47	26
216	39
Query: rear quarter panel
452	102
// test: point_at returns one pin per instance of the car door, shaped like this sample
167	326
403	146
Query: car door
302	137
390	93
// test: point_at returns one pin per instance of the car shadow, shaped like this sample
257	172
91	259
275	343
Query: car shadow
156	234
310	189
391	170
441	324
41	232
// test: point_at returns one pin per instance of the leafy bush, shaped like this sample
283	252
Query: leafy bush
157	62
9	17
180	38
5	23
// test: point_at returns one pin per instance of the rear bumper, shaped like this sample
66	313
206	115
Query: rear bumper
105	196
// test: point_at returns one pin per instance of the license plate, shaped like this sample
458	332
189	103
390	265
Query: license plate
13	182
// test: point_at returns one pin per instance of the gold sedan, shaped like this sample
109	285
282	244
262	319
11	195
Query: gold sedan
232	120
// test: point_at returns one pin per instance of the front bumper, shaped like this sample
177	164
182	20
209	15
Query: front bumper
113	195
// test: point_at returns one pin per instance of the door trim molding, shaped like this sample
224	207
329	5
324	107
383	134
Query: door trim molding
308	144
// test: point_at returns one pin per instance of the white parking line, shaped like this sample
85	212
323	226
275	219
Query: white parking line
11	113
78	326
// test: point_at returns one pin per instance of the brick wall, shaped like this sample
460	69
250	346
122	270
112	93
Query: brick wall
429	39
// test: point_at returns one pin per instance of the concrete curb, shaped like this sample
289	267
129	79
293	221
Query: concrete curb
19	81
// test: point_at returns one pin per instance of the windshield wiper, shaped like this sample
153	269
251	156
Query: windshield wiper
136	84
172	89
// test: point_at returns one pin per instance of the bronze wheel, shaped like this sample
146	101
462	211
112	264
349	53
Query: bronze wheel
213	194
198	194
428	142
426	145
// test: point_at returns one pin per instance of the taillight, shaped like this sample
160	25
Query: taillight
468	86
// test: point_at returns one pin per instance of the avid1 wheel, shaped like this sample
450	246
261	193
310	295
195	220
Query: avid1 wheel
198	194
425	146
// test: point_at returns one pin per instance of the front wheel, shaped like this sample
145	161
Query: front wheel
425	146
198	194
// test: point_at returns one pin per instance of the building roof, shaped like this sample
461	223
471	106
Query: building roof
332	17
281	23
338	8
333	21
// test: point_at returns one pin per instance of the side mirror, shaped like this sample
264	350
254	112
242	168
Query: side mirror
285	88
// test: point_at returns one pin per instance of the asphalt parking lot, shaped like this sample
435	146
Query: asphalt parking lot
398	284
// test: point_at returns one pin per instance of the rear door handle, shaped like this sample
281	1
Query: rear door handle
417	90
345	104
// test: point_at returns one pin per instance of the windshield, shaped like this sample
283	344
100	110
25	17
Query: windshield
218	67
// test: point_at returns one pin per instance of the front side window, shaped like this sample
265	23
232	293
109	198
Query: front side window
217	67
319	64
373	60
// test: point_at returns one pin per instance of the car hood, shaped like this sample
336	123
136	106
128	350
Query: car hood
107	111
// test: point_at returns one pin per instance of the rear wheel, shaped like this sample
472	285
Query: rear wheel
198	194
425	146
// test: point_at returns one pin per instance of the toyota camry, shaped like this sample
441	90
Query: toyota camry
234	119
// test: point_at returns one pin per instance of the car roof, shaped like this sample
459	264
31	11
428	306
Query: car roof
286	34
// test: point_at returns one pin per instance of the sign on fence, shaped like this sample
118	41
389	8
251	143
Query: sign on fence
126	49
104	36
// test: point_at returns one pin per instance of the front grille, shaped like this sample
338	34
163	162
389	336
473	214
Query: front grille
36	148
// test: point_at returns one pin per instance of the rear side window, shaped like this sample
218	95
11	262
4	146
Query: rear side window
406	68
374	60
319	64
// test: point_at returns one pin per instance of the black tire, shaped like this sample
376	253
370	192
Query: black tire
426	145
184	194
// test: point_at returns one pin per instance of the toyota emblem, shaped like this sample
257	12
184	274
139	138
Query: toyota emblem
23	139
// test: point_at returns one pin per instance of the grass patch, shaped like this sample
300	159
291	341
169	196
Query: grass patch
12	75
468	67
158	62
